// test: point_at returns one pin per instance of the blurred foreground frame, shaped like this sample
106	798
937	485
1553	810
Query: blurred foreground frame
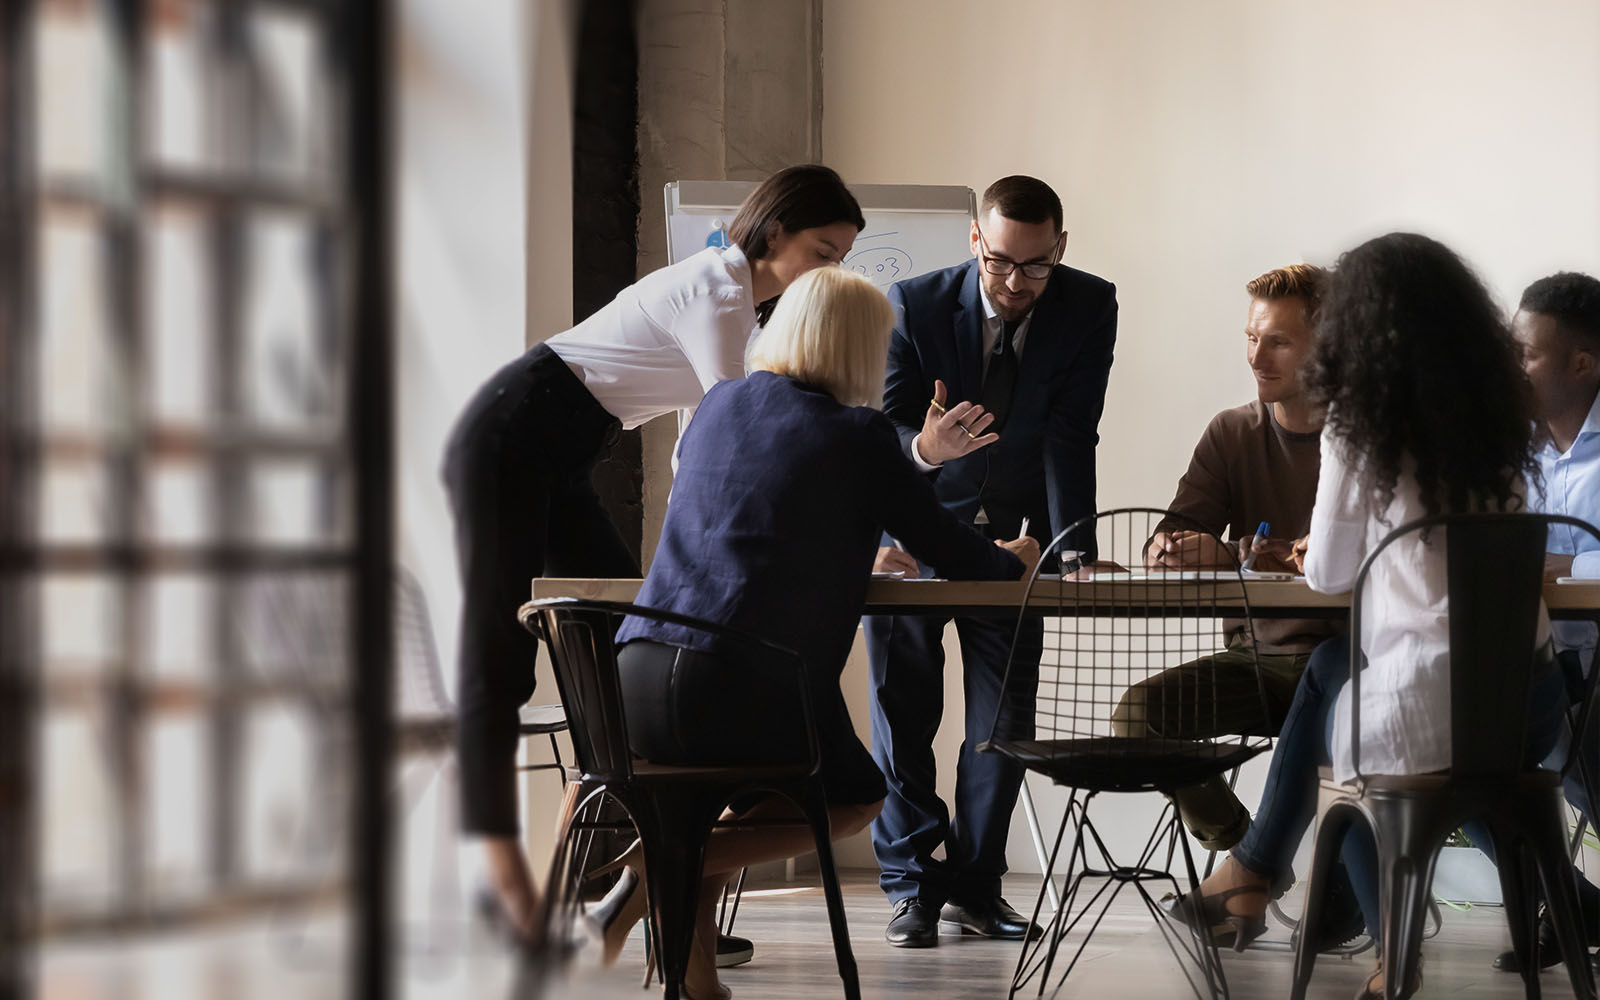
254	454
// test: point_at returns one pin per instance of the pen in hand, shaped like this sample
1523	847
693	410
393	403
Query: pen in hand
1250	560
896	561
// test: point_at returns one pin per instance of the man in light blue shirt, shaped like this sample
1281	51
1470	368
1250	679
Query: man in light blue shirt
1558	327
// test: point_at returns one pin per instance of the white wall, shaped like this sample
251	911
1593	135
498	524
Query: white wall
1196	145
459	269
483	268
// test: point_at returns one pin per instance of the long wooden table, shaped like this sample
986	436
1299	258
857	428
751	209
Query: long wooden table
1108	595
1105	596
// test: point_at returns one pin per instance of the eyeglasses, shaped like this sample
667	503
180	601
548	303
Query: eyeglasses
1034	270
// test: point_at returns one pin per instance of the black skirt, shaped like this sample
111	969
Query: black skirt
691	708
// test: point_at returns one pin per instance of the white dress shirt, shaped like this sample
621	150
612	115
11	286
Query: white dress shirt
667	338
1405	624
992	326
1571	486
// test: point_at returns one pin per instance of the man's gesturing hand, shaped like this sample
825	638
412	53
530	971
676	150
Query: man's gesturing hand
951	433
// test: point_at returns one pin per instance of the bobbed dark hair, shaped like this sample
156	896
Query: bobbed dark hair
1414	359
794	198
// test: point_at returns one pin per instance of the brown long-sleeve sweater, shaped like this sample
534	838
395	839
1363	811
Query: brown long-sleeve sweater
1247	469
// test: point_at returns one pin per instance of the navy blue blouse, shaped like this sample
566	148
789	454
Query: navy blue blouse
781	496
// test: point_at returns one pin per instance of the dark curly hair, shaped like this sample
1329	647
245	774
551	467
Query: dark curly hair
1414	359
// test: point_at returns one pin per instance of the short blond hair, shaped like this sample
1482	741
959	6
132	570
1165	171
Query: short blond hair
1307	282
830	329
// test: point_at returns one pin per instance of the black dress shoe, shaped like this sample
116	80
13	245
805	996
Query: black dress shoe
915	924
991	918
1549	949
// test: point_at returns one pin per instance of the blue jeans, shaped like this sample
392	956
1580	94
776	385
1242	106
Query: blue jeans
1289	800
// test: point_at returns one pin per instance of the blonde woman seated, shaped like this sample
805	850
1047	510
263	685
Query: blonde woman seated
787	478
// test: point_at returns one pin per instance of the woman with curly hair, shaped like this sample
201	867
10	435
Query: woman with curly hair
1427	413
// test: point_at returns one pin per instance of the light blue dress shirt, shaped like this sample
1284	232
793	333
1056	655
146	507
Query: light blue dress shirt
1572	486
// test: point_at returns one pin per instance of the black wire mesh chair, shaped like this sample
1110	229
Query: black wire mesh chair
1109	625
673	808
1493	579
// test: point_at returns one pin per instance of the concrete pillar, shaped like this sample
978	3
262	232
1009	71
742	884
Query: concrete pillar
728	90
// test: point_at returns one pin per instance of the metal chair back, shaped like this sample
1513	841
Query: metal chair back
1493	581
1101	629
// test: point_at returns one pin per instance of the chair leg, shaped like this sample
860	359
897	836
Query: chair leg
555	754
1522	911
732	893
1206	948
1408	846
1037	958
817	814
562	888
673	832
1547	848
1330	831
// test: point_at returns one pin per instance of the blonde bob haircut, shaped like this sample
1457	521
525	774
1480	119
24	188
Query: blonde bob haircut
830	329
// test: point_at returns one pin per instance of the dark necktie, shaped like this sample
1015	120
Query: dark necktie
1001	379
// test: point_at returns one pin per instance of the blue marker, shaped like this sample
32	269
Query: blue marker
1261	532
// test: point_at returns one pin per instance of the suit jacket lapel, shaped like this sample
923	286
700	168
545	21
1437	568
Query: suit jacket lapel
969	339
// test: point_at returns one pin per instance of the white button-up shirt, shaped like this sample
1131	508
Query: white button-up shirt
667	338
1405	621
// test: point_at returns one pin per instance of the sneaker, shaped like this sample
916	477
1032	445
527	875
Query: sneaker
1342	921
733	951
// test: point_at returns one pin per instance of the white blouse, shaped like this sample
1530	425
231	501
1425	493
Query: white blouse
667	338
1405	624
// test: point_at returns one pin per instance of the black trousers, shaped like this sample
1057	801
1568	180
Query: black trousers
517	471
688	707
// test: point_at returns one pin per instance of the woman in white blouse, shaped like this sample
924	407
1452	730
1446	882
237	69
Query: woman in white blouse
518	462
1427	414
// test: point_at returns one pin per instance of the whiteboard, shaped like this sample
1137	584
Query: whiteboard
911	228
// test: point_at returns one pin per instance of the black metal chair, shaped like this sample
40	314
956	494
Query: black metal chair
1111	631
673	808
546	721
1493	576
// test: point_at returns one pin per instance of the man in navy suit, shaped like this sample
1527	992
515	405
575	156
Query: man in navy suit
1015	349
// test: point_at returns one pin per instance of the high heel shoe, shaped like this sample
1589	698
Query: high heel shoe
1235	930
599	919
1227	929
1373	988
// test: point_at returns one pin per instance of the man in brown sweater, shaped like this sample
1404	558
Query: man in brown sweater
1256	462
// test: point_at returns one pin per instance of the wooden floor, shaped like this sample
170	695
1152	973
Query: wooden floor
794	959
1125	959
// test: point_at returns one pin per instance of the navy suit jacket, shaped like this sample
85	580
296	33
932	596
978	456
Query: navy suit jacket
777	507
1042	467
